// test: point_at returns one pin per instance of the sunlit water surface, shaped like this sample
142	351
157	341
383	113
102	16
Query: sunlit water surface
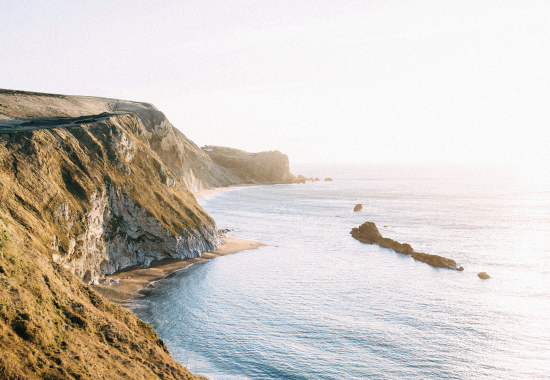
317	304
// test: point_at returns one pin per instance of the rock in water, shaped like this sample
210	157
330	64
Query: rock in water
483	275
328	179
368	233
300	179
358	207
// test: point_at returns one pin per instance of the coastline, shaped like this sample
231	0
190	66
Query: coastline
139	278
134	278
202	193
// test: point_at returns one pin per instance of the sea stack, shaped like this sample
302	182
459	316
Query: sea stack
368	233
358	207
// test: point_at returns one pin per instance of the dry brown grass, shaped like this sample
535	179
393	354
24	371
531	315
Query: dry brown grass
54	327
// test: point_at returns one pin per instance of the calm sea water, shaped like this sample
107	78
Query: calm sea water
317	304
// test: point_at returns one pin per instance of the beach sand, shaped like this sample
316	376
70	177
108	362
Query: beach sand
142	277
202	193
138	277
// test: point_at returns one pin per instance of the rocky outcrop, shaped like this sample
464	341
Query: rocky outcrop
244	167
100	184
302	179
358	207
368	233
483	275
120	233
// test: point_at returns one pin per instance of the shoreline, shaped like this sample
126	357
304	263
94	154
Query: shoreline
135	278
202	193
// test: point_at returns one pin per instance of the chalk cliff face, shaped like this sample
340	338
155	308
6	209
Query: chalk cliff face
101	184
263	167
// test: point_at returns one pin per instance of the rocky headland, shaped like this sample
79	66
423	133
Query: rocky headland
108	188
90	186
368	233
245	167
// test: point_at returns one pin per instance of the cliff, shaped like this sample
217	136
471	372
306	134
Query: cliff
52	326
101	184
89	186
245	167
22	111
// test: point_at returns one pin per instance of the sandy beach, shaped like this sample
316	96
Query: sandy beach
134	278
202	193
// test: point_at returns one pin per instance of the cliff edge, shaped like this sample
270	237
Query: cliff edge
100	184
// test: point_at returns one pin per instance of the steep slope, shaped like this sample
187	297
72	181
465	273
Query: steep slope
26	111
89	186
262	167
103	191
52	326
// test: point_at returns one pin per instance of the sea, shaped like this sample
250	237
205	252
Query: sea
314	303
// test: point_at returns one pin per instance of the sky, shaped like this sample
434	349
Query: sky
367	81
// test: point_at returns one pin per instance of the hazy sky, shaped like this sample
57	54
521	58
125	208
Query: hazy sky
323	81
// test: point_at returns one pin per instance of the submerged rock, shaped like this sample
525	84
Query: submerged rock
483	275
358	207
368	233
